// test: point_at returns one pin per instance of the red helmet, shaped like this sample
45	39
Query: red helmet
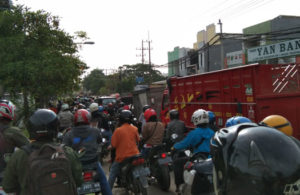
148	113
82	116
126	107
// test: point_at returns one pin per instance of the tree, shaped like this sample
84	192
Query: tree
37	58
94	81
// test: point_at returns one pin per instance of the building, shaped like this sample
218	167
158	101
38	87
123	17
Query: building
275	41
176	66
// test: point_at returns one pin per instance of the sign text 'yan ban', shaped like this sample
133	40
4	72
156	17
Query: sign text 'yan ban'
277	50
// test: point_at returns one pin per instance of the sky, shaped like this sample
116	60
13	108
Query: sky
118	27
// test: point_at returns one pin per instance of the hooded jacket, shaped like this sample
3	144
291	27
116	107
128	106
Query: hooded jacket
85	137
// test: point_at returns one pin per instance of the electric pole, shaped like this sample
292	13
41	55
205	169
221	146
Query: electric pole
142	55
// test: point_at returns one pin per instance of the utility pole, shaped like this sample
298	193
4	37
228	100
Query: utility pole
143	60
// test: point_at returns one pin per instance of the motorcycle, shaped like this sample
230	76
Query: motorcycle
159	162
91	182
198	176
134	175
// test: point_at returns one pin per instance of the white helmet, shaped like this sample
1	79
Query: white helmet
200	116
94	107
65	107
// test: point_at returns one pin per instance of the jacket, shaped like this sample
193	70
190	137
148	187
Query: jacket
15	173
86	137
175	127
66	119
153	133
12	137
193	139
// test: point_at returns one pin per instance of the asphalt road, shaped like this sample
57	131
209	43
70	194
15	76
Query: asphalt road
153	189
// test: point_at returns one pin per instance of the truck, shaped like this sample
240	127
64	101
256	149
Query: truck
254	91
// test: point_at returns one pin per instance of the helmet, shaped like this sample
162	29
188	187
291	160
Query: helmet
126	107
82	116
101	108
7	110
43	123
94	107
65	107
149	113
110	104
248	159
200	116
174	114
211	117
237	120
146	107
280	123
125	116
122	104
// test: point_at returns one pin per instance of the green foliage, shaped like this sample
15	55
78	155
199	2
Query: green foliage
36	56
94	81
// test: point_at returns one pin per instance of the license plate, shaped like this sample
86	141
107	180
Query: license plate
89	188
166	160
141	171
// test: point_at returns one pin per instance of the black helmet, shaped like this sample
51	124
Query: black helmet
252	159
146	107
125	116
174	114
43	123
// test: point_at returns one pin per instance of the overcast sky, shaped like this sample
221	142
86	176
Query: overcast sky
118	26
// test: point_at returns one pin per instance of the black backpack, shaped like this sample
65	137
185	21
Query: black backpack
49	171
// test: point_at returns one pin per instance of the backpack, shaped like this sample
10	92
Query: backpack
49	171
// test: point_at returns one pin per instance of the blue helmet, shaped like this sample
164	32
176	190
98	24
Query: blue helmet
212	117
101	108
237	120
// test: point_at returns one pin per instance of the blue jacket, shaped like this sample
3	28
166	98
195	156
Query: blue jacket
194	137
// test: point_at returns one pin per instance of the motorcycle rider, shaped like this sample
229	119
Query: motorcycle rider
175	126
65	117
141	120
124	139
152	132
99	119
252	159
82	135
10	137
198	139
42	127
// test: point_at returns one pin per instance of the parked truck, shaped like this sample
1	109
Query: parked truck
254	91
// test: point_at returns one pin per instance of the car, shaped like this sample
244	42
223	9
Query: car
104	100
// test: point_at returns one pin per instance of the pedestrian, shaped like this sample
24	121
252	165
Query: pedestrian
43	167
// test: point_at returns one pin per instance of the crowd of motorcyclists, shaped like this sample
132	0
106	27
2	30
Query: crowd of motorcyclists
242	158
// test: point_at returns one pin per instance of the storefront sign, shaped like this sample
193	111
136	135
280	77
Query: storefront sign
277	50
235	58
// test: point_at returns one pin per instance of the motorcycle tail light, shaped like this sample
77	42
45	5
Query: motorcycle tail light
88	176
163	155
138	161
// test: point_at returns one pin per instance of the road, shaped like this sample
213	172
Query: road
153	189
